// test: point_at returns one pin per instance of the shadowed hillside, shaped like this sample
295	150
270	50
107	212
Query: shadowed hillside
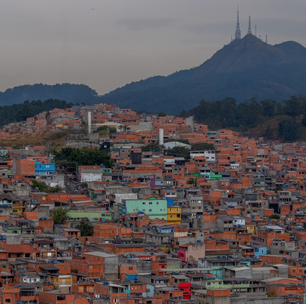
244	69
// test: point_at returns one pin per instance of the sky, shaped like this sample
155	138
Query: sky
106	44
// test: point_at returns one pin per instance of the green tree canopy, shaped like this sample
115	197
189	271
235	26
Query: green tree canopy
202	146
226	113
151	147
20	112
60	216
86	228
84	156
289	130
179	152
44	188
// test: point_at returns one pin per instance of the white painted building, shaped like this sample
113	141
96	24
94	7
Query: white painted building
210	155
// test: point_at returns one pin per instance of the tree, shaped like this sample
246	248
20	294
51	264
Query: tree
192	181
275	217
268	107
84	156
293	106
202	146
268	134
20	112
44	188
84	185
179	152
86	228
38	185
279	188
112	130
60	216
151	147
289	130
162	114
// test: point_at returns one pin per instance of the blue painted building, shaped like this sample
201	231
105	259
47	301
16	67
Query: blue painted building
260	250
42	168
165	229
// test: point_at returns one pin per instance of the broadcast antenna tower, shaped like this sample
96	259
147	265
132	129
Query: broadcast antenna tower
250	28
238	31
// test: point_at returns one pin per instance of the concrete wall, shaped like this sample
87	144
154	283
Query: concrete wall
111	268
13	239
91	176
144	126
195	252
258	300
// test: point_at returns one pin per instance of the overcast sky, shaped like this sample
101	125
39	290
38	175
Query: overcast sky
108	43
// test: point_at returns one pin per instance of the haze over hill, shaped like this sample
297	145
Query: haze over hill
244	69
71	93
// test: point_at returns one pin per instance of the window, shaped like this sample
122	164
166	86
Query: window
130	268
150	203
143	203
157	203
150	210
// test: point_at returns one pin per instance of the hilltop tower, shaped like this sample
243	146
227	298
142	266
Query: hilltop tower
238	31
250	28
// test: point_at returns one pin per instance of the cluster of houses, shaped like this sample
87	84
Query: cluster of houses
219	227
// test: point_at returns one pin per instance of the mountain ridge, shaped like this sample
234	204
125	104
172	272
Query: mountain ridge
244	69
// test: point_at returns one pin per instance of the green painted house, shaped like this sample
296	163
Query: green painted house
93	216
13	230
153	207
215	175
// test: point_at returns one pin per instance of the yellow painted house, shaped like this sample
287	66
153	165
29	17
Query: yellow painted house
251	228
18	206
61	281
174	214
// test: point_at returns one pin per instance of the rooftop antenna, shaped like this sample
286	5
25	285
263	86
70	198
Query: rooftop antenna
238	31
255	30
250	29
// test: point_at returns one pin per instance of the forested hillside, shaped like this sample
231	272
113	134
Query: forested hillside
20	112
75	93
244	69
273	120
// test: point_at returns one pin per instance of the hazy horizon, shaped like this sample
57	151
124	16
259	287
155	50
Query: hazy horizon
107	44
